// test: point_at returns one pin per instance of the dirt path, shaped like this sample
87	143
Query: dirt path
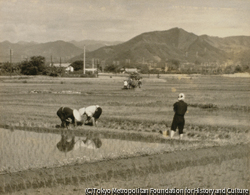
105	173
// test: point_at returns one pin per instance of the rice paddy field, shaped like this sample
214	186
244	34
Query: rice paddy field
214	152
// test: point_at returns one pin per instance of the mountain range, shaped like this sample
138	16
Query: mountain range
156	47
52	51
176	43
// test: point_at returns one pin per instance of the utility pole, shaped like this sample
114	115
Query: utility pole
84	60
10	56
10	61
60	69
93	64
51	63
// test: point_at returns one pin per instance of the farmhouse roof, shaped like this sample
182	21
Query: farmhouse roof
91	69
62	64
131	70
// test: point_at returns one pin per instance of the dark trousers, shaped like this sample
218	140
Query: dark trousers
64	113
97	113
178	122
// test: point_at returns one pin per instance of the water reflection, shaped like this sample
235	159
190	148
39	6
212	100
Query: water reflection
69	142
21	150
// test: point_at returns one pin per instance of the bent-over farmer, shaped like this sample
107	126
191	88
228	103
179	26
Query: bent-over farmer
92	112
69	116
180	109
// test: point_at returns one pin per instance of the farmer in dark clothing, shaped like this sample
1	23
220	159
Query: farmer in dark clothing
69	116
180	109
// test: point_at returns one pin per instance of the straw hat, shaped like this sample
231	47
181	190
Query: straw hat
77	115
82	111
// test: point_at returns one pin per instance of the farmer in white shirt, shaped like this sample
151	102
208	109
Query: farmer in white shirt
92	113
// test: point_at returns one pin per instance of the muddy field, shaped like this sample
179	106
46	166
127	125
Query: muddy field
215	145
224	175
218	167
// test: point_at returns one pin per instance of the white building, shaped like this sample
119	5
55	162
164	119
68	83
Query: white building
131	70
91	69
69	69
67	66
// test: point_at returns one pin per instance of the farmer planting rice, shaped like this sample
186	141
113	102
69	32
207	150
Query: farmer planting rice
125	84
180	109
69	116
92	113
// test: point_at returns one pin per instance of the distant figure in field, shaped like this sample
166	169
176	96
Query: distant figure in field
69	116
92	112
180	109
125	84
139	82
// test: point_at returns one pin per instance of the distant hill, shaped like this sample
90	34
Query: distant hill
175	43
91	45
16	48
56	49
23	50
156	47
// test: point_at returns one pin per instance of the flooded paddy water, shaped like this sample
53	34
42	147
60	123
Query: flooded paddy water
22	150
31	160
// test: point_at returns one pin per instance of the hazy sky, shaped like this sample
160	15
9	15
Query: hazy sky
119	20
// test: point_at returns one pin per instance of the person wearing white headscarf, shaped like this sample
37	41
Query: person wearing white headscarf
180	108
92	112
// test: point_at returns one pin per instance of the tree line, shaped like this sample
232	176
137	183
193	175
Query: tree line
36	66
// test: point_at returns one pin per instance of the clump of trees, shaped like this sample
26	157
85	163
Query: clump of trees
77	65
6	68
34	66
173	64
112	68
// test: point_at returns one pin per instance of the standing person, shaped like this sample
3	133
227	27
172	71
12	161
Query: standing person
92	112
68	116
139	82
180	109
